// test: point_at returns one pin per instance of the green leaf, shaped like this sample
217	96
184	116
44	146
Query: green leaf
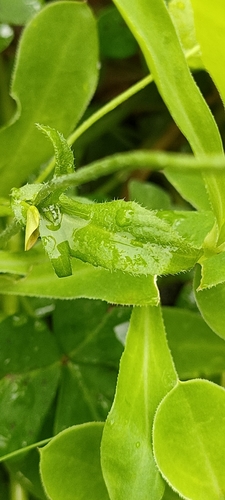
63	155
147	21
116	235
211	303
87	281
192	226
70	464
213	271
126	454
210	27
91	352
196	350
29	369
18	11
54	78
189	439
149	195
183	19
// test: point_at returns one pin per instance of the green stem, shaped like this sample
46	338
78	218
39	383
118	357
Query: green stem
17	492
148	160
19	452
110	106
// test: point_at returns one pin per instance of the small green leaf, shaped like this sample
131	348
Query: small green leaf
213	271
126	454
63	153
70	464
149	195
211	303
189	439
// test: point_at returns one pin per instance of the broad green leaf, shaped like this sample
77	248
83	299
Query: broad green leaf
183	19
115	235
210	27
191	187
149	195
152	26
18	11
6	36
54	78
126	454
91	353
70	464
29	369
26	471
170	494
18	263
87	281
189	439
196	350
211	303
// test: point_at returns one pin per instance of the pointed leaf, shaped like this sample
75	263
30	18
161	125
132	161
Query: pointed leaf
189	439
126	453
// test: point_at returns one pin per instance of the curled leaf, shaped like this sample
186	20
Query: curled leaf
32	227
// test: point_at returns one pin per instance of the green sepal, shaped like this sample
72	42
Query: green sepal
63	154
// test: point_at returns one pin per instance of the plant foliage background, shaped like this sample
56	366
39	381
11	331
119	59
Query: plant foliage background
112	250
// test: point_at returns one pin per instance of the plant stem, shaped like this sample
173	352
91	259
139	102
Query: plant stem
149	160
110	106
17	492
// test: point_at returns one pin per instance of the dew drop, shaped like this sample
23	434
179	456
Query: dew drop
138	444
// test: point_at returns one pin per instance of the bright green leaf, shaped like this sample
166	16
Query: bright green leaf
211	303
126	454
117	235
45	91
189	439
210	27
70	464
183	19
213	271
86	281
153	28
